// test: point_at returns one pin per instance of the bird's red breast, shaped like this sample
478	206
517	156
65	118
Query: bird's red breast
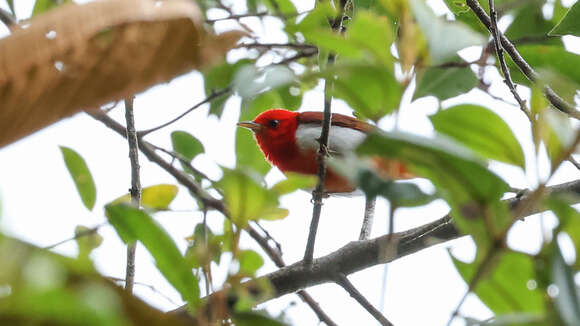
289	141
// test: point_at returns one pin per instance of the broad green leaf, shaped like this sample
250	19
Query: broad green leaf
482	130
569	219
529	23
250	261
567	301
217	78
246	199
157	197
380	96
79	171
504	288
445	38
44	5
186	145
459	176
133	224
548	57
444	83
569	25
293	182
397	193
464	14
87	240
251	318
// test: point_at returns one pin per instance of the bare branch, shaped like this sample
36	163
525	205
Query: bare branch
496	34
349	287
135	187
525	68
368	217
300	46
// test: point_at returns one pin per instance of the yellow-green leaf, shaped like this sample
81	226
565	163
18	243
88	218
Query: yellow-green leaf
79	171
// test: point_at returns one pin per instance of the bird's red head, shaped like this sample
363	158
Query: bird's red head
275	131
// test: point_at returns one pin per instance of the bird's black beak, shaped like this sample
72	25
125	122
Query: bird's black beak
253	126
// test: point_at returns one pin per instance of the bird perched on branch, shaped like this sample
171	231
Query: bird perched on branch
289	140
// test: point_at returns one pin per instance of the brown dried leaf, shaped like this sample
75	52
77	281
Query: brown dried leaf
83	56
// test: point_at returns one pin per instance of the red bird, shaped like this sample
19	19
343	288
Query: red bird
289	141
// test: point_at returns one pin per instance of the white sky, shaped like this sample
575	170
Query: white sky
40	203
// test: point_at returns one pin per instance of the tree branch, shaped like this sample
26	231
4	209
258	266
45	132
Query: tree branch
525	68
351	289
367	225
135	187
359	255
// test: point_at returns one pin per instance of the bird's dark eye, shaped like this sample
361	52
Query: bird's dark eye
273	123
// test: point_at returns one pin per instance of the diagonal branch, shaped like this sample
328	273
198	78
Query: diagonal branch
525	68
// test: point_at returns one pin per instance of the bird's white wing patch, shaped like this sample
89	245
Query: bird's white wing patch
340	140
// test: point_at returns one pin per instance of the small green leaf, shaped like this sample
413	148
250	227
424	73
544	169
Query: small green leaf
569	219
186	145
247	200
250	261
445	38
293	182
284	7
87	240
567	301
133	224
77	167
482	130
250	318
569	24
529	23
157	197
504	289
217	78
249	82
444	83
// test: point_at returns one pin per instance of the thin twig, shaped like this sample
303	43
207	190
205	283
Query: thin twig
368	217
135	187
277	45
318	192
77	235
572	160
302	54
214	95
237	17
7	19
525	68
352	290
496	34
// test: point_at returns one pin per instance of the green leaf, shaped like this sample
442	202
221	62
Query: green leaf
284	7
186	145
569	24
249	82
293	182
87	240
549	57
250	261
44	5
250	318
529	23
397	193
464	14
482	130
459	176
444	83
133	224
157	197
504	289
380	96
77	167
444	38
247	200
567	301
